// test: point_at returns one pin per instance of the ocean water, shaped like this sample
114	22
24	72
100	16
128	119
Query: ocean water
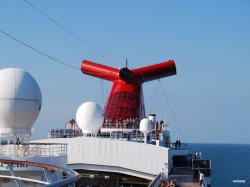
230	163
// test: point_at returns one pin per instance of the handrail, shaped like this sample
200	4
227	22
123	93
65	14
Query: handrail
33	149
156	181
72	176
35	164
204	184
23	179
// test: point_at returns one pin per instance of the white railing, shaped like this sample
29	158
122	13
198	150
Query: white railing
33	149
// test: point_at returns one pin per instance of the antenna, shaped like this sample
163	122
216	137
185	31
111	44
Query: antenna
145	128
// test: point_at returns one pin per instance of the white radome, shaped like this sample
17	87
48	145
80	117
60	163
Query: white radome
145	125
20	102
89	117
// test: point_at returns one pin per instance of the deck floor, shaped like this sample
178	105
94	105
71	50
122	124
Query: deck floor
185	180
189	184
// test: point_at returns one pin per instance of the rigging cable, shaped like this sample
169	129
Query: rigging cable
76	37
172	112
43	53
102	92
155	92
38	51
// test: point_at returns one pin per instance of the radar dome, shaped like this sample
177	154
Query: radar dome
20	102
145	125
89	117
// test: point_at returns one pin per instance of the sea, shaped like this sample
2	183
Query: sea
230	163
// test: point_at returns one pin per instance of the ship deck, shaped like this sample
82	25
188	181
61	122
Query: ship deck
185	180
190	184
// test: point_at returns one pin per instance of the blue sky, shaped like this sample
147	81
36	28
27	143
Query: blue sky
209	41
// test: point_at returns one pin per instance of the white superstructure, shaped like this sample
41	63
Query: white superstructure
112	155
128	152
129	156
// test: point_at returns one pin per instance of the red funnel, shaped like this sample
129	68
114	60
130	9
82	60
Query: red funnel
126	97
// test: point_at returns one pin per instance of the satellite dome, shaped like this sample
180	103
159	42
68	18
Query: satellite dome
145	125
89	117
20	102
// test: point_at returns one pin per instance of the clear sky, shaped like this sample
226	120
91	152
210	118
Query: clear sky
209	41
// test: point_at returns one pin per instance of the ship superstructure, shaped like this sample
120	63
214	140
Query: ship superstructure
119	146
128	148
121	156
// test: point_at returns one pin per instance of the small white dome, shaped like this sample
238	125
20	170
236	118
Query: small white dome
20	101
145	125
89	117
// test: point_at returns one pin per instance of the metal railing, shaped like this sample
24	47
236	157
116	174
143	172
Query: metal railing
64	133
33	149
158	179
133	135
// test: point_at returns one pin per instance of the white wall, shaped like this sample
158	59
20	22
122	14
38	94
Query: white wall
131	156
